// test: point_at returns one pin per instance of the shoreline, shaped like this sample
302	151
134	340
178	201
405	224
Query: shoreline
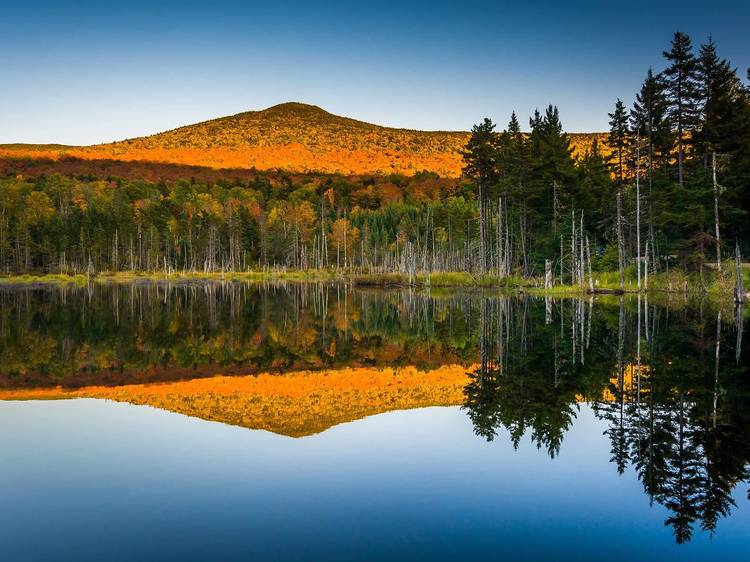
676	282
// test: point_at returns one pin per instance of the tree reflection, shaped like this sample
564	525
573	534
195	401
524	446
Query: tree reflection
670	383
673	394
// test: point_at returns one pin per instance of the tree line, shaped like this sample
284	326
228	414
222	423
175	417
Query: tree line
671	182
668	187
674	407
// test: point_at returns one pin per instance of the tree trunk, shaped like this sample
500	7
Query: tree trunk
588	255
482	233
739	292
620	242
716	214
638	209
548	274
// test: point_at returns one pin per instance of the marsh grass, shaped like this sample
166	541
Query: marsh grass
675	281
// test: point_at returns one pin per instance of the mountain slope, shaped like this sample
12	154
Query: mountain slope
295	404
292	136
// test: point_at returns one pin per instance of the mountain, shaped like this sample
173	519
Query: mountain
291	136
295	404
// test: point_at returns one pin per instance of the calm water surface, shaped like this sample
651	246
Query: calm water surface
364	425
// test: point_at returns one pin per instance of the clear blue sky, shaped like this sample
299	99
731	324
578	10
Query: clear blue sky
82	72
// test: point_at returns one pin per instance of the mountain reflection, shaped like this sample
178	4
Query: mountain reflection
668	381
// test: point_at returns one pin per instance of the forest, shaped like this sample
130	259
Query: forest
667	189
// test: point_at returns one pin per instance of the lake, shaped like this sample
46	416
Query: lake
231	421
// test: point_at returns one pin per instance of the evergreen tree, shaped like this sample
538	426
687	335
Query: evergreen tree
480	159
553	162
595	188
556	155
516	191
649	122
721	97
513	154
618	139
682	94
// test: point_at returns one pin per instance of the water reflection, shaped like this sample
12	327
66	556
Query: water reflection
668	381
673	391
145	333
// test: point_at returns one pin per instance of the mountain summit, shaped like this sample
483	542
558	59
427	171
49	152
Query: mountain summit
291	136
301	138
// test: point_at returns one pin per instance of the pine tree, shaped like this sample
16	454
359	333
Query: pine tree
556	153
618	139
552	155
721	97
649	122
513	153
514	165
554	173
595	187
480	159
682	94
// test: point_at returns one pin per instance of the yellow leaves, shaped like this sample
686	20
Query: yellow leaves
277	214
441	234
344	234
208	207
302	214
173	225
38	208
78	197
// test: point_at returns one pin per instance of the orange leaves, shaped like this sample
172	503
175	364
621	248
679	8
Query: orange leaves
78	197
296	404
140	206
291	137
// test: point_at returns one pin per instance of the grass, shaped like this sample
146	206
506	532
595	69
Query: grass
177	277
676	281
44	279
186	276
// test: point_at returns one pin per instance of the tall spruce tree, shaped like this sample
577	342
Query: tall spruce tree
594	193
682	94
618	139
649	122
480	164
516	191
721	102
554	177
552	155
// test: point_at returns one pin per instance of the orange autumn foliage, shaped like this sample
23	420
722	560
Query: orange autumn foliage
294	404
294	137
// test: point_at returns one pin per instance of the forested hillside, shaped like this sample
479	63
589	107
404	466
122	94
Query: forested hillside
668	186
293	137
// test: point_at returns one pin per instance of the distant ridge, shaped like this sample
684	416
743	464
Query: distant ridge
294	137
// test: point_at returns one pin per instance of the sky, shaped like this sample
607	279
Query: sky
84	72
